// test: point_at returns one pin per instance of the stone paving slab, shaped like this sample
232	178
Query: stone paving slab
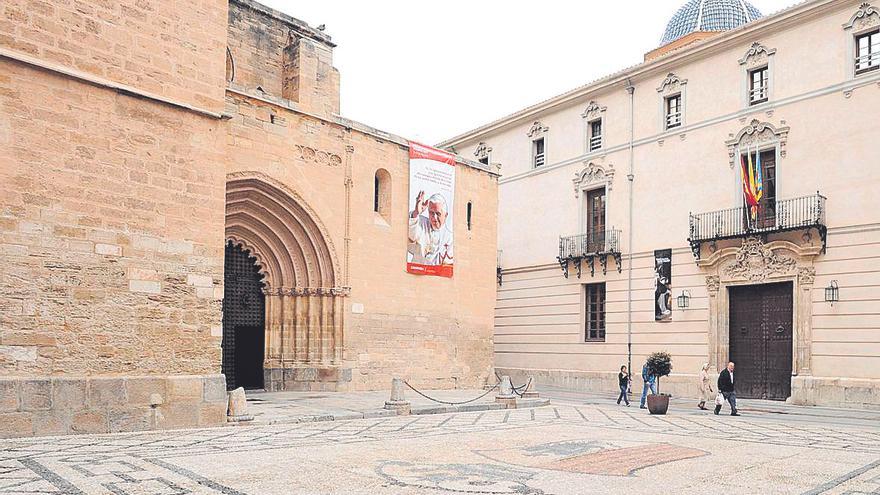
557	450
305	407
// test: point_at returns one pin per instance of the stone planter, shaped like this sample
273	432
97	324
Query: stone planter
658	404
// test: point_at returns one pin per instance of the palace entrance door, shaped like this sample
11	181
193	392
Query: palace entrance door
761	323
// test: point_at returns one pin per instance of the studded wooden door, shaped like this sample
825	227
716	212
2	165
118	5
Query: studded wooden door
244	330
761	340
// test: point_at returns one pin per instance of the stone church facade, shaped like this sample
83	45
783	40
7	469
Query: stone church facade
183	209
645	241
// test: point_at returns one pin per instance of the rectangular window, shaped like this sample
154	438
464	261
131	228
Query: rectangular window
538	152
759	85
595	135
673	111
763	215
867	52
595	313
595	227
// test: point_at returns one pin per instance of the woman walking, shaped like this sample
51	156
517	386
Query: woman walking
623	381
705	387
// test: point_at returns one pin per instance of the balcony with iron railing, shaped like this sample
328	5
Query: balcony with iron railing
868	62
803	213
596	143
673	119
589	247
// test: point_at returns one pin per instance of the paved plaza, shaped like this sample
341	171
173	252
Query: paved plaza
574	446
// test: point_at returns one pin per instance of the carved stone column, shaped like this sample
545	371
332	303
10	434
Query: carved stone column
712	286
804	356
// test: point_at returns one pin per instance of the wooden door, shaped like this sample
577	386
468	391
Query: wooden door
761	323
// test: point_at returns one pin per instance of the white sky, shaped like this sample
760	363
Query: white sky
430	70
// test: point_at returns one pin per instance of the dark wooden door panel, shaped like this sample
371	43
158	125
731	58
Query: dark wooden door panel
761	340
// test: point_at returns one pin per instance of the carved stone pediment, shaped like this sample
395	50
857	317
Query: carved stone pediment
866	17
537	129
671	84
757	55
754	262
593	173
756	134
482	150
593	110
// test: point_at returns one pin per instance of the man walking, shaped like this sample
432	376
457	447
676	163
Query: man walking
648	378
726	387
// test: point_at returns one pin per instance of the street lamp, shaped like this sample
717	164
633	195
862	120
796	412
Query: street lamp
832	292
684	299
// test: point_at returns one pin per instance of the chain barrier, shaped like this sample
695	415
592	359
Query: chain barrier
447	402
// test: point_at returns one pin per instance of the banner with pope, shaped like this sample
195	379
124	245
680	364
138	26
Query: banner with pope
431	195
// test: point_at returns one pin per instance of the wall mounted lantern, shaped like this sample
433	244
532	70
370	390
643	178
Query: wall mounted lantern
684	299
832	292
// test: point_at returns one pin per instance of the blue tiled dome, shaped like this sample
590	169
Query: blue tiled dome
709	15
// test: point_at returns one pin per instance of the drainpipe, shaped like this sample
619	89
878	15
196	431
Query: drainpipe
630	177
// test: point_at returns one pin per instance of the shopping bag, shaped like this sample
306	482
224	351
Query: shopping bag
719	399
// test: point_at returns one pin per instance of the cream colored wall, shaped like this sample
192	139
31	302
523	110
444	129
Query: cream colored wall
830	148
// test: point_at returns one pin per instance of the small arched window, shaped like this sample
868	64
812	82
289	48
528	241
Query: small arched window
470	210
382	193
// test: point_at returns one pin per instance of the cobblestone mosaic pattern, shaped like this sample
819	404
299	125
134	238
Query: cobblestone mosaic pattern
553	450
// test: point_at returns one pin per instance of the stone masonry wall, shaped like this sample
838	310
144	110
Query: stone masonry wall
158	46
111	214
283	56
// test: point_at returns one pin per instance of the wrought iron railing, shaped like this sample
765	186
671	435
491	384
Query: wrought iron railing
589	246
789	214
595	142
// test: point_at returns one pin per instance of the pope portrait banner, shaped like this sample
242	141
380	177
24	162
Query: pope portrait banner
431	196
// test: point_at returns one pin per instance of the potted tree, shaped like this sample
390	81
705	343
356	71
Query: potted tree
659	365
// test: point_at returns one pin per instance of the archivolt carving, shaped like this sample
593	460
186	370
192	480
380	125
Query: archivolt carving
593	173
275	224
593	110
756	134
754	261
757	55
482	150
537	128
671	84
866	17
318	156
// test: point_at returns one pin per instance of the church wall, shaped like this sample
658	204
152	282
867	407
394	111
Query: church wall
111	216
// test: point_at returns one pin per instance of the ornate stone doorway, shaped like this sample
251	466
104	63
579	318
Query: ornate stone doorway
756	262
761	339
243	319
302	302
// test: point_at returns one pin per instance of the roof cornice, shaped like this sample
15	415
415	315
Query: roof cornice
792	15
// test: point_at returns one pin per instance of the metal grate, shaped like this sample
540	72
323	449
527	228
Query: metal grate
243	306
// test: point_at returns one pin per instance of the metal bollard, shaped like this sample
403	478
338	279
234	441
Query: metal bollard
397	402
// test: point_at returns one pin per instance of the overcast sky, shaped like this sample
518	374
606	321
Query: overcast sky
430	70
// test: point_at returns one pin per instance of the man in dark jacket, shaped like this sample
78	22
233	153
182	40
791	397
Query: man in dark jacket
726	383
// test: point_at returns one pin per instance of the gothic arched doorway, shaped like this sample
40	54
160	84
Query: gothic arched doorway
244	313
302	302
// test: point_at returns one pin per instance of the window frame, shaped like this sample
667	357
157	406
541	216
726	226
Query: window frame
871	33
602	302
667	113
750	75
535	154
591	136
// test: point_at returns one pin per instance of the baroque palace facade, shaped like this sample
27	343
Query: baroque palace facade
183	210
647	237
